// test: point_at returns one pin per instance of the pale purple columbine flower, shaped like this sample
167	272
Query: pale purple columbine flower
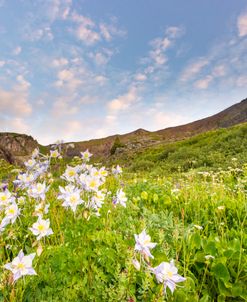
120	198
118	170
41	228
167	274
144	244
21	265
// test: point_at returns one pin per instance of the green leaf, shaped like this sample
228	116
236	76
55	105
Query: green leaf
221	272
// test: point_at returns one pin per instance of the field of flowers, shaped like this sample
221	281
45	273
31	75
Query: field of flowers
83	232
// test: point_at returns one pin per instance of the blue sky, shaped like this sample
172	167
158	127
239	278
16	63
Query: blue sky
77	70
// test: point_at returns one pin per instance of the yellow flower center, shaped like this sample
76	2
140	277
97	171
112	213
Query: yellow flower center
20	266
41	227
11	211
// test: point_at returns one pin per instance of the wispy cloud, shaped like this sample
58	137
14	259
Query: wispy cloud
242	24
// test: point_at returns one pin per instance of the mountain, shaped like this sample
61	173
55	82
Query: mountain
141	138
17	147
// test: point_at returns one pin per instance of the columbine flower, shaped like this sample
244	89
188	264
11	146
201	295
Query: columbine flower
70	173
30	163
5	198
120	198
21	265
144	244
54	153
38	190
167	274
86	155
12	212
92	184
71	196
41	228
117	170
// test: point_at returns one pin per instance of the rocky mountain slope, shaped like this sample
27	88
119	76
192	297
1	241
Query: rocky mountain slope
17	147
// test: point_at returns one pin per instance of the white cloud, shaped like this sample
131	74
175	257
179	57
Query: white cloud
64	106
219	71
241	81
15	102
140	77
60	62
108	31
101	80
14	125
87	35
17	50
124	101
203	83
193	69
101	57
2	63
242	25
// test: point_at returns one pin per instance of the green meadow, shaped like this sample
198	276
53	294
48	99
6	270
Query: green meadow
189	196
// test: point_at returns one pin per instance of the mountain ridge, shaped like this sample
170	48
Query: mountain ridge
16	147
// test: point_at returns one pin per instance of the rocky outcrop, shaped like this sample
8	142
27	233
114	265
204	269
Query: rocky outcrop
14	147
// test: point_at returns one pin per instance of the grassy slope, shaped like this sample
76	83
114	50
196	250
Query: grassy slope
212	150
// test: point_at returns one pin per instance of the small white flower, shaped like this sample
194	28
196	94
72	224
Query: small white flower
221	208
41	228
21	265
207	257
144	244
167	274
198	227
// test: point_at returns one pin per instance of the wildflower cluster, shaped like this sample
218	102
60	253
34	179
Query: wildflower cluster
83	186
166	272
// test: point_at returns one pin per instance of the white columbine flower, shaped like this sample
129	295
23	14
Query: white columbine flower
54	153
167	274
71	197
121	198
70	173
41	228
144	244
5	198
21	265
38	190
12	212
86	155
30	163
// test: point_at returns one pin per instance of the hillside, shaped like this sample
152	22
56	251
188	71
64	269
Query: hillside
17	147
214	149
139	139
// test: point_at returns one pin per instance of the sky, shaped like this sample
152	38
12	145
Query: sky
83	69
